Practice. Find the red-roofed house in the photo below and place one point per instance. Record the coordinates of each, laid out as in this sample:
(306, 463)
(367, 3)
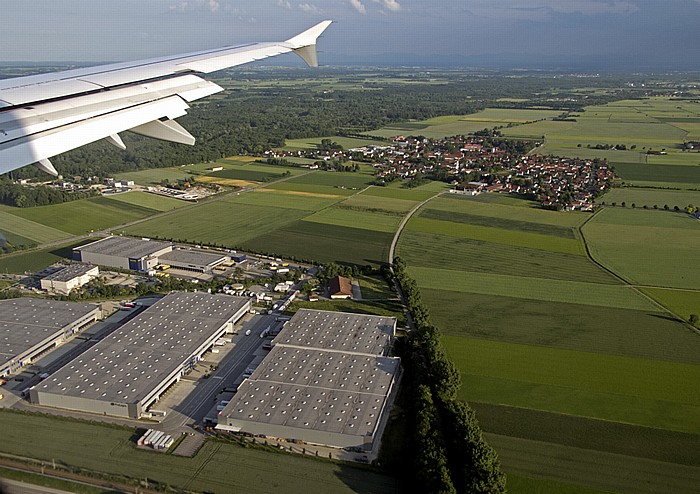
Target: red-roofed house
(340, 287)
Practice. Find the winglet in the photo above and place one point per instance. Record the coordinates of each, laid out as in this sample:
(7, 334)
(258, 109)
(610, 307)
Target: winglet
(304, 44)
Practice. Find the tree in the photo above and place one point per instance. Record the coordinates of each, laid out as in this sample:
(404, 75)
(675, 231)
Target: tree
(693, 319)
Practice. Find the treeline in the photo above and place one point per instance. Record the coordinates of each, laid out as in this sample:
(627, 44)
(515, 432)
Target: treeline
(448, 450)
(40, 195)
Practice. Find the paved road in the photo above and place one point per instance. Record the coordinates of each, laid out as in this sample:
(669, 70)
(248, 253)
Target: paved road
(395, 240)
(13, 487)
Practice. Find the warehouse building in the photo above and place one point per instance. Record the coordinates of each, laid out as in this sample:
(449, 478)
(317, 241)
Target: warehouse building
(193, 260)
(31, 327)
(122, 252)
(325, 382)
(129, 370)
(66, 279)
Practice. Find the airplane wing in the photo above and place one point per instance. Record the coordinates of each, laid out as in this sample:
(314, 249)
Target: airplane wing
(48, 114)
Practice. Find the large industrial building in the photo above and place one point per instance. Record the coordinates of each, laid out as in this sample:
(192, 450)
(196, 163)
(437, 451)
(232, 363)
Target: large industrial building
(129, 370)
(31, 327)
(193, 260)
(327, 381)
(66, 279)
(122, 252)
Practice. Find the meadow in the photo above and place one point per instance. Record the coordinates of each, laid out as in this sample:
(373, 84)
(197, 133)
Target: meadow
(652, 393)
(36, 260)
(111, 450)
(149, 201)
(24, 228)
(651, 197)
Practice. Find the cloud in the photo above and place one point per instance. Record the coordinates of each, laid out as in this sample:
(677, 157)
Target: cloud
(359, 6)
(284, 3)
(310, 8)
(194, 5)
(546, 9)
(391, 5)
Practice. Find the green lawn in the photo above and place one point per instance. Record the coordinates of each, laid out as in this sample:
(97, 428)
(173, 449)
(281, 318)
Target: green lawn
(111, 450)
(654, 393)
(551, 290)
(85, 215)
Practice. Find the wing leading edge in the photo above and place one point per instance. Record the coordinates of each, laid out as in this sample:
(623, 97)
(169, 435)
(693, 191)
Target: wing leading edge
(48, 114)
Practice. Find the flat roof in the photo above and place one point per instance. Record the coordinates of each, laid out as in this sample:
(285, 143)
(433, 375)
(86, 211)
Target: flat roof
(137, 357)
(317, 390)
(193, 257)
(26, 322)
(124, 247)
(69, 272)
(338, 331)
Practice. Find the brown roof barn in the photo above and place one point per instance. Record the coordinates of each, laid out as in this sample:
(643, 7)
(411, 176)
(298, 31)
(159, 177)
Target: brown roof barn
(340, 287)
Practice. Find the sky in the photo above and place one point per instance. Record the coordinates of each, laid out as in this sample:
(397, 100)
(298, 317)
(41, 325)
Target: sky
(624, 33)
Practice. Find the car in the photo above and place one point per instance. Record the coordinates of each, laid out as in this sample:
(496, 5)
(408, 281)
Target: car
(247, 333)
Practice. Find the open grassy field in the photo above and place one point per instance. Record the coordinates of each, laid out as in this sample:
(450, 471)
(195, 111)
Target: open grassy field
(680, 302)
(36, 260)
(651, 197)
(14, 240)
(351, 218)
(287, 199)
(227, 222)
(394, 193)
(449, 125)
(551, 290)
(111, 450)
(310, 189)
(663, 174)
(18, 225)
(314, 142)
(324, 243)
(465, 254)
(497, 235)
(375, 287)
(530, 485)
(358, 180)
(368, 202)
(652, 393)
(85, 215)
(567, 326)
(646, 247)
(149, 201)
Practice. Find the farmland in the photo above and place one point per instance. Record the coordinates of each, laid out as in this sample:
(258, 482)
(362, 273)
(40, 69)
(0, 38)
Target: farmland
(33, 261)
(149, 201)
(110, 450)
(651, 198)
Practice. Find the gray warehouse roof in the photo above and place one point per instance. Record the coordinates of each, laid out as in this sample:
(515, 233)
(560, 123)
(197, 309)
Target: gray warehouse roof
(124, 247)
(133, 360)
(25, 322)
(338, 331)
(315, 389)
(69, 272)
(192, 257)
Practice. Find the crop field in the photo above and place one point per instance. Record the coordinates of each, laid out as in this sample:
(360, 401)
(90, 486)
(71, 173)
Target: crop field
(497, 235)
(670, 174)
(149, 201)
(462, 254)
(449, 125)
(324, 243)
(358, 180)
(302, 201)
(680, 302)
(36, 260)
(378, 203)
(653, 393)
(153, 176)
(310, 189)
(32, 230)
(651, 197)
(506, 207)
(314, 142)
(393, 193)
(226, 222)
(586, 328)
(375, 287)
(85, 215)
(646, 247)
(529, 485)
(110, 450)
(551, 290)
(352, 218)
(245, 174)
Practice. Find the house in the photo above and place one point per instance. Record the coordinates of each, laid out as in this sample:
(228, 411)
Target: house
(340, 287)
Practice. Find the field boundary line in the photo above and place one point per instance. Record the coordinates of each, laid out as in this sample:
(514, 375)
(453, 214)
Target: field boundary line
(405, 219)
(624, 280)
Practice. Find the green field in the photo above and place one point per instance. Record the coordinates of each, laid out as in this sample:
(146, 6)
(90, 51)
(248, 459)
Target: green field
(394, 193)
(23, 228)
(358, 180)
(36, 260)
(245, 174)
(351, 218)
(368, 202)
(286, 200)
(680, 302)
(550, 290)
(653, 393)
(651, 197)
(149, 201)
(671, 174)
(646, 247)
(314, 142)
(568, 326)
(85, 215)
(111, 450)
(310, 189)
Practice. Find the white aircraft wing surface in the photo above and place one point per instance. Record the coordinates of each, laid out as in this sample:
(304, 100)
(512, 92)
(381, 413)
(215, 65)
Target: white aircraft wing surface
(48, 114)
